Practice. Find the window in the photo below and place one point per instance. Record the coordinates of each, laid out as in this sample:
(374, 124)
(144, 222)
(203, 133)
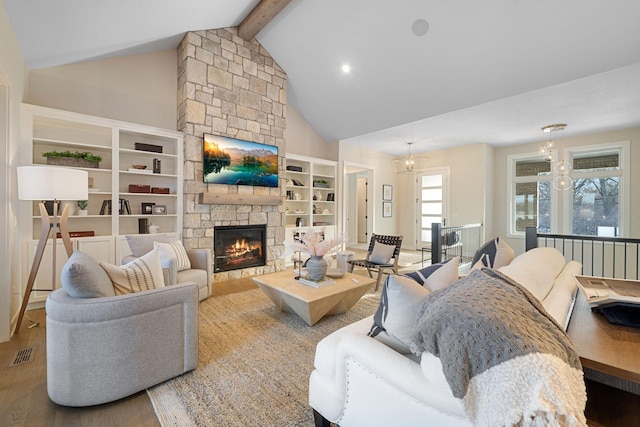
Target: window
(592, 206)
(596, 200)
(531, 202)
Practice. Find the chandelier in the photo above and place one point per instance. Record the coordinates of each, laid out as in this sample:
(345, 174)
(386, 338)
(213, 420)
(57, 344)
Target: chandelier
(562, 168)
(411, 162)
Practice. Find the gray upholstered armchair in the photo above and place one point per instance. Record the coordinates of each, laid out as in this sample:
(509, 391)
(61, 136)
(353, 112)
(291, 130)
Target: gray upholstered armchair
(200, 259)
(103, 349)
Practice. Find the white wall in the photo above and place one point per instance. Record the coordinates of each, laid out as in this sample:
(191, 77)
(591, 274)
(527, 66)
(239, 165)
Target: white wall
(383, 174)
(13, 79)
(302, 139)
(501, 207)
(136, 88)
(469, 196)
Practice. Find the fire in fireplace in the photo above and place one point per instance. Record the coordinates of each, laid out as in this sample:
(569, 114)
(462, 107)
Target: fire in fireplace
(239, 246)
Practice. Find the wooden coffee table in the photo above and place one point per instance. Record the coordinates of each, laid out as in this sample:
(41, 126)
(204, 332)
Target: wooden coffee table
(310, 303)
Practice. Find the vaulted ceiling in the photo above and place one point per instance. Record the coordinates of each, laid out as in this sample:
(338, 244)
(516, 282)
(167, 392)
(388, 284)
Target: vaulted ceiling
(494, 71)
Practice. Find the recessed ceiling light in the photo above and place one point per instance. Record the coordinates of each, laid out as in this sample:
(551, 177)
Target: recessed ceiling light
(346, 68)
(420, 27)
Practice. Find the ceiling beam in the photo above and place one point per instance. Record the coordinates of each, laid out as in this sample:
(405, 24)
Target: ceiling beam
(259, 17)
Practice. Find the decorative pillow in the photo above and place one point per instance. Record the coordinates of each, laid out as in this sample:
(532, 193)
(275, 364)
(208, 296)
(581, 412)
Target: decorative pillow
(141, 274)
(175, 251)
(493, 254)
(437, 276)
(82, 277)
(536, 270)
(141, 244)
(400, 301)
(381, 253)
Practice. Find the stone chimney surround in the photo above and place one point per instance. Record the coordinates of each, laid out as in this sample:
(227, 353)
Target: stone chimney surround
(230, 87)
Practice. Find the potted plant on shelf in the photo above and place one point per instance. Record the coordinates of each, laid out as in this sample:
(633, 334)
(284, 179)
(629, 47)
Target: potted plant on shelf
(320, 183)
(67, 158)
(82, 204)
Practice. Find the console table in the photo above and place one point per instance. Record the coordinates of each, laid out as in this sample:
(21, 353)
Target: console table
(609, 357)
(610, 349)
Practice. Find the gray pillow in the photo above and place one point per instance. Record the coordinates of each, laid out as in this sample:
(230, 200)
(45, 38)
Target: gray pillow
(82, 277)
(142, 244)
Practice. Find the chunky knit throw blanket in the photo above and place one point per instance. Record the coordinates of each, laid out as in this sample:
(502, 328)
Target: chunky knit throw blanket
(509, 361)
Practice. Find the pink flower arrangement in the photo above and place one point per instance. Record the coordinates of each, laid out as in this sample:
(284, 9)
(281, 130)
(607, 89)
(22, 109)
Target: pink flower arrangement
(315, 244)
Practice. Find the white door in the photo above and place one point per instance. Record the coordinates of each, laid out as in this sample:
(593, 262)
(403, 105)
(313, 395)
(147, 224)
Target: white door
(432, 202)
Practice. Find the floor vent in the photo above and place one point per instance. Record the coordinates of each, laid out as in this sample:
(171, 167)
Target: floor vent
(20, 357)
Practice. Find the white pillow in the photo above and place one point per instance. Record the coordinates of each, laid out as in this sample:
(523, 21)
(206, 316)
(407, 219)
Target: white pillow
(141, 274)
(400, 301)
(444, 276)
(558, 301)
(176, 251)
(536, 270)
(381, 253)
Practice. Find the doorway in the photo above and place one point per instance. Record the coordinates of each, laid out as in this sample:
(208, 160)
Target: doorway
(358, 204)
(432, 203)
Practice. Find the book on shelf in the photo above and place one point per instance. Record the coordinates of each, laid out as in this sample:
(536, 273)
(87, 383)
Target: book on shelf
(317, 284)
(73, 234)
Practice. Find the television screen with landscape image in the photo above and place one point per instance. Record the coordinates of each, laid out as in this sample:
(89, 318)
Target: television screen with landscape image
(237, 162)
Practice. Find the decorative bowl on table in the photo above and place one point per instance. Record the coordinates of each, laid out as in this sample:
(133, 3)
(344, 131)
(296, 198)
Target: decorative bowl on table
(334, 273)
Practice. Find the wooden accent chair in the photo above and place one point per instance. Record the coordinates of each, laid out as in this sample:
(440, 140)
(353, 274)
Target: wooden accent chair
(380, 268)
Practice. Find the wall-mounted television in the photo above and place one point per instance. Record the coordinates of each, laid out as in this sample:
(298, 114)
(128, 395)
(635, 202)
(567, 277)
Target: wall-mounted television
(237, 162)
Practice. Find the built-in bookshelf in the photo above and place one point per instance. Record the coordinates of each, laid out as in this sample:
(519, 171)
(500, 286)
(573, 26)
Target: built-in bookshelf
(115, 208)
(311, 195)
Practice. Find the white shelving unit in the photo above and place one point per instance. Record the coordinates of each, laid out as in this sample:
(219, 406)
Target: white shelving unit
(45, 129)
(310, 202)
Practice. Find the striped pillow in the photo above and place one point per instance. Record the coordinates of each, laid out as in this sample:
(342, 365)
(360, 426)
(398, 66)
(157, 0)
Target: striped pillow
(141, 274)
(176, 251)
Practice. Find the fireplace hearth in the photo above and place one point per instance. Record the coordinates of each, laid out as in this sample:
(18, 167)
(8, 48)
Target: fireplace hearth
(239, 246)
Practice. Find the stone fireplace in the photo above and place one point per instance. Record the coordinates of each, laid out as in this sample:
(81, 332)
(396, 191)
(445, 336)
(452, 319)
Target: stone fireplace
(238, 246)
(230, 87)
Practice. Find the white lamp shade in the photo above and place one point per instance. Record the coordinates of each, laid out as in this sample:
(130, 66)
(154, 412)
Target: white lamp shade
(52, 183)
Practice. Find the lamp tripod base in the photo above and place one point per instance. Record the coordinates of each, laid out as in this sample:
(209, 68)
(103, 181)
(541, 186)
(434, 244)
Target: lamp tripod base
(49, 225)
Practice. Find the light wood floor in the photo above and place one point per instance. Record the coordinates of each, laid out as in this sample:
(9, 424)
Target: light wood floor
(24, 400)
(23, 388)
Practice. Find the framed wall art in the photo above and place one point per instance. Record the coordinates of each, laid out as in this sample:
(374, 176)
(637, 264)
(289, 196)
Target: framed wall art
(386, 209)
(387, 192)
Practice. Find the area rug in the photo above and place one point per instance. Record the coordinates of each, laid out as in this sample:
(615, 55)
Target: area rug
(413, 259)
(254, 365)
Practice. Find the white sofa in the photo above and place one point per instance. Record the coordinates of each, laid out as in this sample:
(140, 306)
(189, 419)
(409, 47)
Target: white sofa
(359, 381)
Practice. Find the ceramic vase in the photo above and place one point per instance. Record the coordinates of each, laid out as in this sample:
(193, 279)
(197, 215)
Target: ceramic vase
(316, 268)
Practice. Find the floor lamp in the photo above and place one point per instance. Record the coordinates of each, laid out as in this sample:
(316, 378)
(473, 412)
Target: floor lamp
(50, 183)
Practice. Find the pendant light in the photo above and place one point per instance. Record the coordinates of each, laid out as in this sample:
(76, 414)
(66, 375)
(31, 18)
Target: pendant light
(411, 162)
